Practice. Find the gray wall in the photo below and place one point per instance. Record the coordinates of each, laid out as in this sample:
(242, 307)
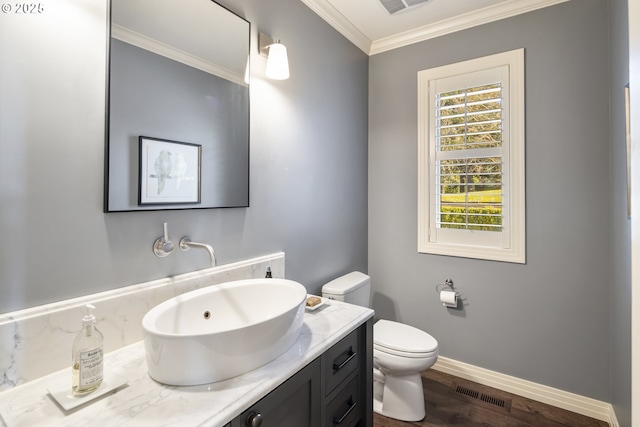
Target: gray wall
(620, 223)
(308, 161)
(547, 321)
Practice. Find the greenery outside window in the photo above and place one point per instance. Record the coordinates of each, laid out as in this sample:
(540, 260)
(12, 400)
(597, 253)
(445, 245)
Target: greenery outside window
(471, 200)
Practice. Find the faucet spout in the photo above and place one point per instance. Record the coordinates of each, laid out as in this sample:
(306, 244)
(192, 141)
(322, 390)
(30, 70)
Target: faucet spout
(186, 244)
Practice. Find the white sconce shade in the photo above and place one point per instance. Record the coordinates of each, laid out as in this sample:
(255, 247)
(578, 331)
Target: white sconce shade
(277, 62)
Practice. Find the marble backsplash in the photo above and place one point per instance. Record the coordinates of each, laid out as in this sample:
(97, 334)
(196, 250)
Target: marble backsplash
(37, 341)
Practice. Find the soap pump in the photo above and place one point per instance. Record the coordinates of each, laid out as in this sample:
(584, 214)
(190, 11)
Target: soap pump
(87, 368)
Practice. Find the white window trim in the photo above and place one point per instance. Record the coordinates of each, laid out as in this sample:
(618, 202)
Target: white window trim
(512, 247)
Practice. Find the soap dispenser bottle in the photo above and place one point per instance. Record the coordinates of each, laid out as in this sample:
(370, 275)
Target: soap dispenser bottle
(87, 365)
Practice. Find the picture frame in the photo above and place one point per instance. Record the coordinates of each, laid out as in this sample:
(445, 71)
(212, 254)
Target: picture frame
(169, 172)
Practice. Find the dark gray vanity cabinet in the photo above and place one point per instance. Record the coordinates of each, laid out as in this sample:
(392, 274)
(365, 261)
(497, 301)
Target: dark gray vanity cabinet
(347, 381)
(295, 403)
(335, 390)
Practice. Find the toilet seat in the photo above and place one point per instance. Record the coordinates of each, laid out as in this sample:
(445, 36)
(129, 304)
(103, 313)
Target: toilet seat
(403, 340)
(405, 355)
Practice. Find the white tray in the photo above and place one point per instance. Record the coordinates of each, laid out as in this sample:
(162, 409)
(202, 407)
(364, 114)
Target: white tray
(317, 306)
(68, 401)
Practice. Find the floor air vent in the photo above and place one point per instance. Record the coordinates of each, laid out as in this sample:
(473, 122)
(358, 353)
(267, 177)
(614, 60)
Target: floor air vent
(467, 393)
(492, 400)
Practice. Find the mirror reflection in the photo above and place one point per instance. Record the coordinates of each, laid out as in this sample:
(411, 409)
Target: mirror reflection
(178, 106)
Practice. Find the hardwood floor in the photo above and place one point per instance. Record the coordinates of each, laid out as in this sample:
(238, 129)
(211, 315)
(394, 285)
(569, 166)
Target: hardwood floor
(453, 401)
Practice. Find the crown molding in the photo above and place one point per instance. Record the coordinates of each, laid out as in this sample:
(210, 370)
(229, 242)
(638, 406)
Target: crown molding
(340, 23)
(462, 22)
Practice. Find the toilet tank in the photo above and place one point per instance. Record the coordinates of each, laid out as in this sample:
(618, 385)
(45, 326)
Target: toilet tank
(354, 288)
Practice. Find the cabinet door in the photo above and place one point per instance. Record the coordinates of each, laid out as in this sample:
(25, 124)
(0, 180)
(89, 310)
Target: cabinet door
(341, 360)
(295, 403)
(344, 409)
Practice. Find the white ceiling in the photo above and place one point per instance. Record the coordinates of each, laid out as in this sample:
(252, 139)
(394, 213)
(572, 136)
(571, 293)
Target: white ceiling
(368, 25)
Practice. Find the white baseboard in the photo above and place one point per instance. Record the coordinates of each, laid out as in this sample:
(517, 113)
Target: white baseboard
(597, 409)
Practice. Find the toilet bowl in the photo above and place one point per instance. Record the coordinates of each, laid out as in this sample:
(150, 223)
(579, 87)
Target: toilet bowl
(400, 353)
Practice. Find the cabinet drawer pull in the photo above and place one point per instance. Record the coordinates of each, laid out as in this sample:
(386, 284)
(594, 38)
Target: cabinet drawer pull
(254, 420)
(350, 355)
(352, 404)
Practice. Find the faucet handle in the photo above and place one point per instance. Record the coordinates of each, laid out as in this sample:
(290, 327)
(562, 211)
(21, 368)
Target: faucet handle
(163, 246)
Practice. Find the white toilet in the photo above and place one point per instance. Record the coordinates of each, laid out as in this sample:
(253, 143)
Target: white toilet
(400, 353)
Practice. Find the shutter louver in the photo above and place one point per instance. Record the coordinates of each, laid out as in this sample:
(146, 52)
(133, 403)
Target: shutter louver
(469, 193)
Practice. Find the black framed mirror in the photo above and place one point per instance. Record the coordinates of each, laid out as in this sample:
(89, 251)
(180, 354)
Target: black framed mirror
(178, 73)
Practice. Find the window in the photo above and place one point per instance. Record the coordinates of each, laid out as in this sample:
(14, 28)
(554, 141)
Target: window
(471, 159)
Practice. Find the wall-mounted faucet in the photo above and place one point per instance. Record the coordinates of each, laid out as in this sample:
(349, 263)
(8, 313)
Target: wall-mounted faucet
(163, 246)
(186, 244)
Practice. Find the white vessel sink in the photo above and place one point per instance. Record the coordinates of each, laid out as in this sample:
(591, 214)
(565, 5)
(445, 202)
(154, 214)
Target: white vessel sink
(221, 331)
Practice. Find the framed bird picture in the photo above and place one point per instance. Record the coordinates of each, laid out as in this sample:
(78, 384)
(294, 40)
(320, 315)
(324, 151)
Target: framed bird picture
(169, 172)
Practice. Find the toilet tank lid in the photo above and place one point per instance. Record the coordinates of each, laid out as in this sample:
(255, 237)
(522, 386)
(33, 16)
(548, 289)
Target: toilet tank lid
(348, 282)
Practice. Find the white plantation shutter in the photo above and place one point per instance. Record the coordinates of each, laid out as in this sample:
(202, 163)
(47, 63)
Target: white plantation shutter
(471, 159)
(468, 156)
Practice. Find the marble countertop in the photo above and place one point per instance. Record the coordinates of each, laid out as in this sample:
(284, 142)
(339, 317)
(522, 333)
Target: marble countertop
(144, 402)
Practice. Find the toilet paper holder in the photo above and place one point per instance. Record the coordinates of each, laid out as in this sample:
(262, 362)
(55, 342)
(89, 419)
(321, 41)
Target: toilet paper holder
(448, 295)
(447, 284)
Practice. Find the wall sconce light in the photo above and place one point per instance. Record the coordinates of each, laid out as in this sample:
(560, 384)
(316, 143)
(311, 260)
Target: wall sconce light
(276, 54)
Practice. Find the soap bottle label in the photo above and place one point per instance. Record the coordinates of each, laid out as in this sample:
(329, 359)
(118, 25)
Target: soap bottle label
(90, 367)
